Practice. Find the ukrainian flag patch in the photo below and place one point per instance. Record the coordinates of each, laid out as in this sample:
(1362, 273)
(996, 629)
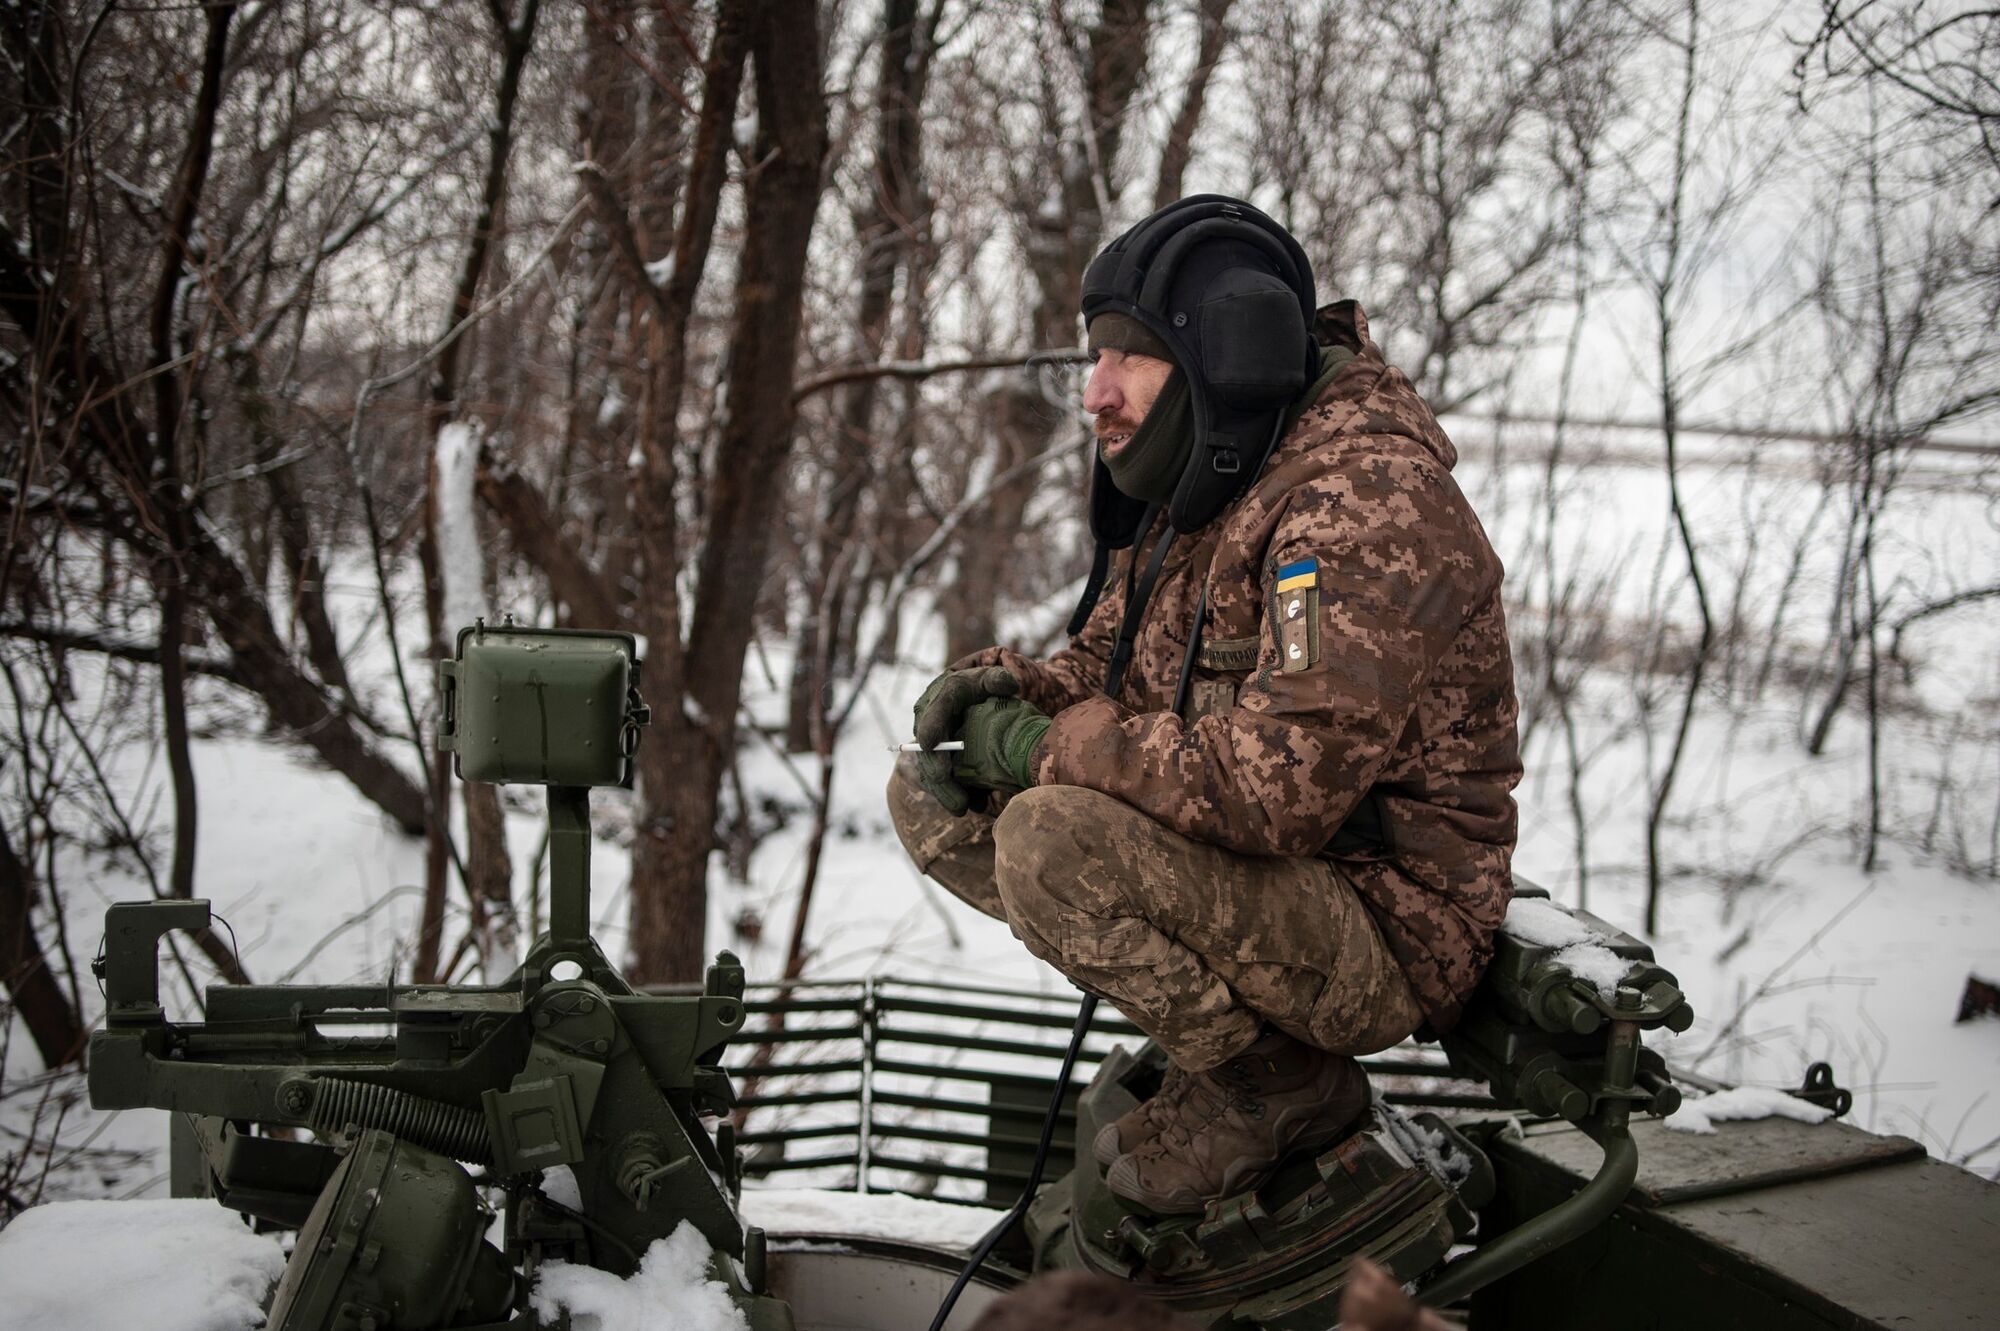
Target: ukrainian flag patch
(1298, 574)
(1296, 602)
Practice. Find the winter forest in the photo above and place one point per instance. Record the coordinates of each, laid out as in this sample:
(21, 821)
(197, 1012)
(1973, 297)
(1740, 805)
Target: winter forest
(751, 328)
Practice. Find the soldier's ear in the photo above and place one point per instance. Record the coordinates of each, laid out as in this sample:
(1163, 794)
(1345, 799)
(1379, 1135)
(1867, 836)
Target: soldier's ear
(1253, 344)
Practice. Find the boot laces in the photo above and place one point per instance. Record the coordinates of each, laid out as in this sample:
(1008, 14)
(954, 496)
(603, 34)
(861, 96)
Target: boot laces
(1207, 1097)
(1240, 1088)
(1220, 1089)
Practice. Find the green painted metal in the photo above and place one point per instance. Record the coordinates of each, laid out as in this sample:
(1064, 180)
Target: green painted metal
(562, 1064)
(1767, 1224)
(547, 707)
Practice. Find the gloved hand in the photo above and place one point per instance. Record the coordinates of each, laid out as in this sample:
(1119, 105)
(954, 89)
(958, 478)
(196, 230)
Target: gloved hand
(939, 711)
(1000, 736)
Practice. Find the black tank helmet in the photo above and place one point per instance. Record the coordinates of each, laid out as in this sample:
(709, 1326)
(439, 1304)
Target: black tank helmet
(1230, 292)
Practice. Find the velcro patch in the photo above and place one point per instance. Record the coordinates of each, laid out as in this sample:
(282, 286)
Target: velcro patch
(1228, 653)
(1296, 605)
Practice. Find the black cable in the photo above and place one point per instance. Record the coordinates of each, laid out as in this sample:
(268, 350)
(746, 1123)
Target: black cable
(1008, 1221)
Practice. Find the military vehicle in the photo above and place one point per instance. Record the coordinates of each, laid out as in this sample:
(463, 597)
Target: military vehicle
(390, 1125)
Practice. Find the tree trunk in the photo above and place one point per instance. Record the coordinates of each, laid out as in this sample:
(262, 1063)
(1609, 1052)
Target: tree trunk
(43, 1007)
(669, 878)
(1174, 158)
(1063, 233)
(537, 534)
(263, 664)
(488, 874)
(678, 751)
(169, 403)
(888, 230)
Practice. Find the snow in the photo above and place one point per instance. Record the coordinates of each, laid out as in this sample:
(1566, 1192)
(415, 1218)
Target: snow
(559, 1185)
(612, 409)
(1545, 925)
(1437, 1151)
(671, 1291)
(112, 1266)
(1741, 1104)
(883, 1215)
(1577, 945)
(459, 555)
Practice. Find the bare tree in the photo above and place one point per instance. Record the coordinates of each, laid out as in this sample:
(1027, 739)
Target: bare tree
(1064, 184)
(1943, 64)
(1687, 193)
(52, 1020)
(1422, 153)
(486, 871)
(891, 225)
(681, 769)
(91, 432)
(1904, 288)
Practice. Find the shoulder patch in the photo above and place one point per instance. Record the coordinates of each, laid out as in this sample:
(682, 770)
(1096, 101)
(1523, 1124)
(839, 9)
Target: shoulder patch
(1297, 574)
(1295, 606)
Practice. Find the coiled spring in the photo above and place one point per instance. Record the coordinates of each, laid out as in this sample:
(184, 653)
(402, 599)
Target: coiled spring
(459, 1133)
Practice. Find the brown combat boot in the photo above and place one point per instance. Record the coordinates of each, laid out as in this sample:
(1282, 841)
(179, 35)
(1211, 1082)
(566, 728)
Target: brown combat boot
(1226, 1128)
(1135, 1127)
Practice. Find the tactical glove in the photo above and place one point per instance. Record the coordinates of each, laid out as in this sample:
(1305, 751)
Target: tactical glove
(939, 712)
(1000, 736)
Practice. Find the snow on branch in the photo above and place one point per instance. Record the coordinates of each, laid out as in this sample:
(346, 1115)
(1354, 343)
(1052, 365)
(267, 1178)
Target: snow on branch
(460, 561)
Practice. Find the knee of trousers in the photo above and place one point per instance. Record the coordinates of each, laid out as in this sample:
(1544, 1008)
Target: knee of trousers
(921, 823)
(1054, 856)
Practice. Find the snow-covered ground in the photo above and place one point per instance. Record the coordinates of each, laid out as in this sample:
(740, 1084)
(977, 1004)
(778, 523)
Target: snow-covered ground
(111, 1266)
(1788, 950)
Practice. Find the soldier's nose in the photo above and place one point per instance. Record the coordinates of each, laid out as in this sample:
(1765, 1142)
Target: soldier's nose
(1100, 391)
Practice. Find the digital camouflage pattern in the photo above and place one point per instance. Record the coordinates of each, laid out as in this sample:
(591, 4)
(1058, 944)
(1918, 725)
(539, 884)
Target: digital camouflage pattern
(1407, 690)
(1196, 944)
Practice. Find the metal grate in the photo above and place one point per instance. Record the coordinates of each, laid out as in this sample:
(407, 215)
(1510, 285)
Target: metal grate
(931, 1087)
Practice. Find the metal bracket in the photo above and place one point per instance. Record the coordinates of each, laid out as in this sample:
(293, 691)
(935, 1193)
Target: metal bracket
(130, 967)
(1820, 1089)
(534, 1125)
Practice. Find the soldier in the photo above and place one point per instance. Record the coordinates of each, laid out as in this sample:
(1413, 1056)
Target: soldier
(1260, 801)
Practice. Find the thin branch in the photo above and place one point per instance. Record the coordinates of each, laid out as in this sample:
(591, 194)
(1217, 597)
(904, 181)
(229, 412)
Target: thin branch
(144, 653)
(905, 577)
(917, 370)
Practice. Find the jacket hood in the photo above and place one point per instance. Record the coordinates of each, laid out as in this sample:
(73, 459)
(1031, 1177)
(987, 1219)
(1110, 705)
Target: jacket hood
(1368, 397)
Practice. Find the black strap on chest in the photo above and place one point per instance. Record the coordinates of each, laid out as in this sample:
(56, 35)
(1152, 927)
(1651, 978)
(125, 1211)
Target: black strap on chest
(1135, 614)
(1193, 651)
(1093, 587)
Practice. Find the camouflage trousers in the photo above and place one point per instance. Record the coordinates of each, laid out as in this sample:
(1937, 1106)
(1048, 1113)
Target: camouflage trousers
(1198, 945)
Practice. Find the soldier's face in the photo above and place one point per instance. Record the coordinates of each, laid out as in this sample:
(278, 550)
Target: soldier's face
(1120, 392)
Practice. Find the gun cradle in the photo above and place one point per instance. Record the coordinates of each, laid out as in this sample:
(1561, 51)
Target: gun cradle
(422, 1102)
(513, 1079)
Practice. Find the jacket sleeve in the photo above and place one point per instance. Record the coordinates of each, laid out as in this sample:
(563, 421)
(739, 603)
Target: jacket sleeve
(1075, 672)
(1397, 571)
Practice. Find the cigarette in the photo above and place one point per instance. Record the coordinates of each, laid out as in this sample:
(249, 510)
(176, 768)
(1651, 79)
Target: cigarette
(949, 746)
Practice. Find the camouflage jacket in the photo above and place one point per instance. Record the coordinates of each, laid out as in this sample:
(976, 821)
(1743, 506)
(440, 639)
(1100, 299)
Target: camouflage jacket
(1354, 660)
